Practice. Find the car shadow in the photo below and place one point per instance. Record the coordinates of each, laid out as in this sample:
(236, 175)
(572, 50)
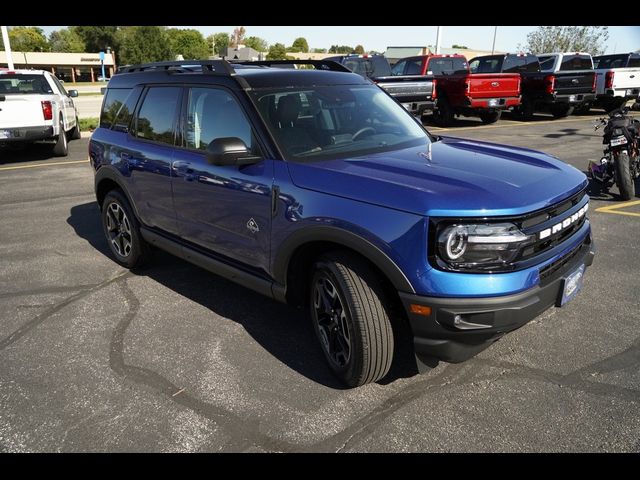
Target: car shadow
(283, 331)
(25, 153)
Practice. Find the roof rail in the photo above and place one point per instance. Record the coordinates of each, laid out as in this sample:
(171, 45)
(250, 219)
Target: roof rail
(216, 67)
(319, 64)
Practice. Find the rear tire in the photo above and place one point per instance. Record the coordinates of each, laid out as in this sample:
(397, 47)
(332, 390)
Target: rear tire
(490, 117)
(561, 110)
(443, 113)
(350, 319)
(75, 133)
(624, 179)
(122, 231)
(61, 147)
(525, 110)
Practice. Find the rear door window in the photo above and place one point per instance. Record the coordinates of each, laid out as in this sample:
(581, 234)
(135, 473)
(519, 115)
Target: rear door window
(156, 118)
(414, 67)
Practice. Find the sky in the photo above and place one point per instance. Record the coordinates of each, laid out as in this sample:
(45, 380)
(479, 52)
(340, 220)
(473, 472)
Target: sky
(378, 38)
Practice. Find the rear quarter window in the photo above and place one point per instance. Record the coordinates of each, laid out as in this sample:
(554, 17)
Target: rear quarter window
(118, 107)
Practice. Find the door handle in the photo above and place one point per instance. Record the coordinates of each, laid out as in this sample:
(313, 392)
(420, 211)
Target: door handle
(179, 165)
(184, 169)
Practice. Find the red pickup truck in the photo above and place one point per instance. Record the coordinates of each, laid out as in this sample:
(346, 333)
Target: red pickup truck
(459, 92)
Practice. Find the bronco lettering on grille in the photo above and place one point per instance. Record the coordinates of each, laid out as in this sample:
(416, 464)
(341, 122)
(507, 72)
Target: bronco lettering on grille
(563, 224)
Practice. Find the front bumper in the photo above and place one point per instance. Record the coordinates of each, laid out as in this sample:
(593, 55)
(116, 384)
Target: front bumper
(25, 134)
(437, 335)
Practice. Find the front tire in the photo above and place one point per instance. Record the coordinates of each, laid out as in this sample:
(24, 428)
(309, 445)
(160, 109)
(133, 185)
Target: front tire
(61, 147)
(490, 117)
(350, 320)
(624, 179)
(122, 230)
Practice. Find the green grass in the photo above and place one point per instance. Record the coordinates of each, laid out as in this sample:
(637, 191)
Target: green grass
(88, 124)
(89, 94)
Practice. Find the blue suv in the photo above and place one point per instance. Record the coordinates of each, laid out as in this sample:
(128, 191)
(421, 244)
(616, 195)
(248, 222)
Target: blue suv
(315, 187)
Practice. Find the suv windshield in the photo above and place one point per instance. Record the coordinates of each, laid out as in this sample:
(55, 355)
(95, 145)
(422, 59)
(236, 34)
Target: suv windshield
(22, 84)
(335, 121)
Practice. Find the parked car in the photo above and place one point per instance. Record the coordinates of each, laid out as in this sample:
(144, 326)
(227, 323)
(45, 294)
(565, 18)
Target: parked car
(617, 79)
(415, 93)
(316, 188)
(34, 106)
(569, 82)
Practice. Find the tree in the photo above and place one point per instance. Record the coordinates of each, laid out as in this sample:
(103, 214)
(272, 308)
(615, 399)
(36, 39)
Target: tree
(546, 39)
(459, 46)
(340, 49)
(359, 49)
(277, 52)
(189, 43)
(237, 37)
(98, 38)
(27, 39)
(257, 43)
(66, 40)
(144, 44)
(220, 42)
(299, 45)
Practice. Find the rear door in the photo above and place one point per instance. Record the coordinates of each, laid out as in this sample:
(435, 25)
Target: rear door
(148, 153)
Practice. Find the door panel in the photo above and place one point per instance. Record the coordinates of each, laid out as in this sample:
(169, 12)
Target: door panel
(225, 209)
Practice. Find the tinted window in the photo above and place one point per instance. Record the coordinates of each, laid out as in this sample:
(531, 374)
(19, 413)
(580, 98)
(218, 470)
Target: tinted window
(634, 62)
(398, 68)
(156, 117)
(520, 63)
(447, 66)
(22, 84)
(59, 85)
(414, 67)
(381, 67)
(486, 65)
(576, 62)
(117, 108)
(360, 66)
(213, 113)
(547, 63)
(610, 61)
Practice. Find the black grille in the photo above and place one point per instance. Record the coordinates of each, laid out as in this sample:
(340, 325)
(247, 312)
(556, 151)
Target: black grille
(547, 273)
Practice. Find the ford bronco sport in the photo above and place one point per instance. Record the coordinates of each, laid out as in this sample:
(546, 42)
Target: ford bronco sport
(315, 187)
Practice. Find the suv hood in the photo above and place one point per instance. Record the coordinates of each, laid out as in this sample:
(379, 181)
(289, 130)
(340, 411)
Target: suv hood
(462, 178)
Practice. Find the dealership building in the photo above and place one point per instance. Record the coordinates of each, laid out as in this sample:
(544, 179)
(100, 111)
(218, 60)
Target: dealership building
(70, 67)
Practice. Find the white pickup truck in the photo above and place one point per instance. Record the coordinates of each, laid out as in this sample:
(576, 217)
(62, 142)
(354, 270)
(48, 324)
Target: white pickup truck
(34, 106)
(618, 79)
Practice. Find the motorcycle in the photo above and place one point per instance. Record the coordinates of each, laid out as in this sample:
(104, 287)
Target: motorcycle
(620, 163)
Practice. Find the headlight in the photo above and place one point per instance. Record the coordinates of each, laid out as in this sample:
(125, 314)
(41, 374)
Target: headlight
(480, 246)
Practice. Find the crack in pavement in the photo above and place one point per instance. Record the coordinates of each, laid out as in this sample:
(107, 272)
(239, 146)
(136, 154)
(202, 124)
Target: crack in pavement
(244, 433)
(33, 323)
(47, 290)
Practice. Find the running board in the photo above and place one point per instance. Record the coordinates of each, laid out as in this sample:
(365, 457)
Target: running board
(253, 282)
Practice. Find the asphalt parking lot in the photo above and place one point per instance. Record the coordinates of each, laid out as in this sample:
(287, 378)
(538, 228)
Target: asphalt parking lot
(172, 358)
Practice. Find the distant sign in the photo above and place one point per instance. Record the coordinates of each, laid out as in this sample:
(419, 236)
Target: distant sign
(102, 56)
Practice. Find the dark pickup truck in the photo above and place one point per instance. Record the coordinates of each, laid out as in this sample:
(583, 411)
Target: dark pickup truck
(557, 82)
(461, 93)
(415, 93)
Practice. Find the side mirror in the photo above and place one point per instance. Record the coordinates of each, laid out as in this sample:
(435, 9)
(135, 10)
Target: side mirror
(73, 93)
(230, 151)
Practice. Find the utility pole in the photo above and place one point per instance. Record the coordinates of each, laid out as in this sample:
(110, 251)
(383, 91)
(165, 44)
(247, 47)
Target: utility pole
(7, 47)
(493, 47)
(438, 38)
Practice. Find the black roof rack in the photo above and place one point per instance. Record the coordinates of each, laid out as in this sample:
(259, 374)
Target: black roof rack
(319, 64)
(216, 67)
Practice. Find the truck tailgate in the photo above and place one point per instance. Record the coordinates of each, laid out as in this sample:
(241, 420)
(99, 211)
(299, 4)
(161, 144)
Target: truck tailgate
(493, 85)
(574, 82)
(409, 88)
(21, 111)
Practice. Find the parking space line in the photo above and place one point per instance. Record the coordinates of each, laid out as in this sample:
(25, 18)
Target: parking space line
(614, 208)
(36, 165)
